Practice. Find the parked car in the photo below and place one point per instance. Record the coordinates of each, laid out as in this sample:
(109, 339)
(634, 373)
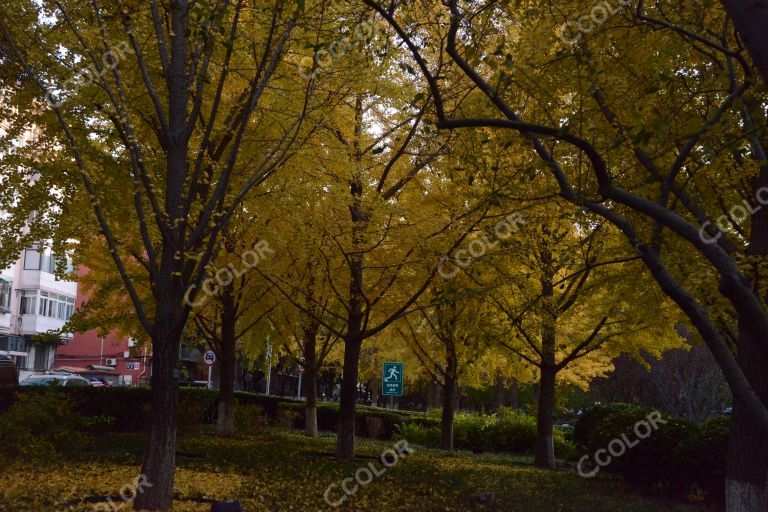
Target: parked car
(8, 374)
(56, 379)
(98, 382)
(193, 383)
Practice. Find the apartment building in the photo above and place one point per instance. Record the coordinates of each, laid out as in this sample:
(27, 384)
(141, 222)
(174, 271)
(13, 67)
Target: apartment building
(34, 304)
(110, 356)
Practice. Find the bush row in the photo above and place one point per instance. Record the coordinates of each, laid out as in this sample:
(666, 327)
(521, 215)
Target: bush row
(505, 431)
(127, 409)
(679, 459)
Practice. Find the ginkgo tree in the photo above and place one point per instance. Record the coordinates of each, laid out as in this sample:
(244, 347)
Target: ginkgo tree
(147, 109)
(563, 292)
(234, 302)
(675, 114)
(372, 158)
(447, 335)
(311, 346)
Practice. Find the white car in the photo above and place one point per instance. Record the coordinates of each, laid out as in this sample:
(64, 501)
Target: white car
(56, 379)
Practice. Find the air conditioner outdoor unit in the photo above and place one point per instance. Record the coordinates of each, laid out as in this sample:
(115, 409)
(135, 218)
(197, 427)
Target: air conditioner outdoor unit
(111, 362)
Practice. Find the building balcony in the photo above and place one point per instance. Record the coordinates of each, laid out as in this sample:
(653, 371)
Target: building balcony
(40, 279)
(36, 324)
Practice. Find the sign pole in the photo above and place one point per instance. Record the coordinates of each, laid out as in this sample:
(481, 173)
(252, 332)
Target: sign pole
(392, 382)
(298, 392)
(209, 358)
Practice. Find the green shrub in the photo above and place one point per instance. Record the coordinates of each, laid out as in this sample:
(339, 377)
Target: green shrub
(699, 461)
(586, 433)
(249, 417)
(648, 463)
(513, 431)
(40, 427)
(129, 410)
(506, 431)
(677, 460)
(470, 432)
(194, 406)
(564, 448)
(418, 434)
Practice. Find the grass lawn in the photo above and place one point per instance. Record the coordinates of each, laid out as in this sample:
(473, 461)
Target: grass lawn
(284, 471)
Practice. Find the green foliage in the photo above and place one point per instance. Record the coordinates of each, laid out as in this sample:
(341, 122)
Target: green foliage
(39, 427)
(370, 422)
(114, 409)
(248, 417)
(587, 431)
(127, 410)
(678, 460)
(470, 431)
(700, 460)
(515, 432)
(50, 338)
(419, 434)
(506, 431)
(193, 406)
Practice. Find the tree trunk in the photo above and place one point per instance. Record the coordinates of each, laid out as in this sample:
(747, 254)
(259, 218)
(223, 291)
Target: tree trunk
(310, 383)
(747, 464)
(226, 422)
(159, 462)
(544, 452)
(500, 391)
(750, 18)
(514, 401)
(353, 340)
(345, 437)
(430, 404)
(449, 408)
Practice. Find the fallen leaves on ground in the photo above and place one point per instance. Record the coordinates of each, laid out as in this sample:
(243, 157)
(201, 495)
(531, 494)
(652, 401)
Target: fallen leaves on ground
(283, 471)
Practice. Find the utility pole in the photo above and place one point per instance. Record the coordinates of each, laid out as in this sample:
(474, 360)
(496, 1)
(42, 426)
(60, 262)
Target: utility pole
(269, 365)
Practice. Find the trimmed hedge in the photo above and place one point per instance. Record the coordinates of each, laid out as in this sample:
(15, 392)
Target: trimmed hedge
(679, 460)
(372, 422)
(129, 410)
(40, 427)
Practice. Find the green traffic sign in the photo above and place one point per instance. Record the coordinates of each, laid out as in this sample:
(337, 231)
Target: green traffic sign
(392, 379)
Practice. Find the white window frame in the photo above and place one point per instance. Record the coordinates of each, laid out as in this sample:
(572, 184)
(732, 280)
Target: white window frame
(53, 305)
(35, 264)
(5, 294)
(26, 296)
